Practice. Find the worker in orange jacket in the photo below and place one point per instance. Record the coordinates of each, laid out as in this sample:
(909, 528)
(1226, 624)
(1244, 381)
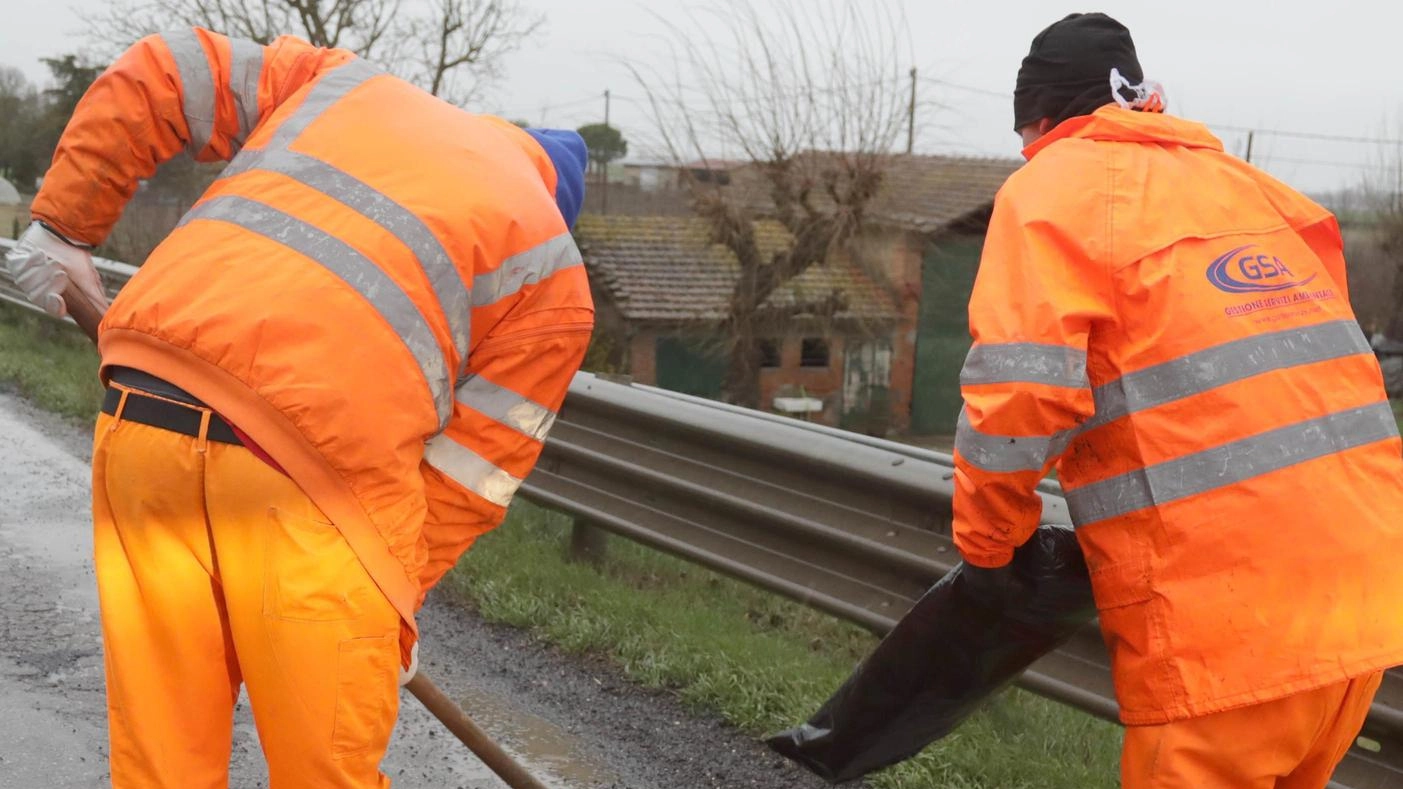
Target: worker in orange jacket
(1170, 328)
(322, 386)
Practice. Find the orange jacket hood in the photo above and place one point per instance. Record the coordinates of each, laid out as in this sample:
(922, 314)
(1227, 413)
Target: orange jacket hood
(1114, 124)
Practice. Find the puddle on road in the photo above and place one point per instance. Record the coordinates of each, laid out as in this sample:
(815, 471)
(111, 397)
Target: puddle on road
(423, 754)
(553, 755)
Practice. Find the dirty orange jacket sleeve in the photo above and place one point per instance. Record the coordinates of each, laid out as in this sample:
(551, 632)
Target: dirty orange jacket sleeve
(1038, 295)
(189, 90)
(518, 377)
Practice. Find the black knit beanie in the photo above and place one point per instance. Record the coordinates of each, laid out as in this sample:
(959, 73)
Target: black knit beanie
(1068, 69)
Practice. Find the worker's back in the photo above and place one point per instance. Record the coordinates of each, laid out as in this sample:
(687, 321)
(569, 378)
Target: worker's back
(328, 291)
(322, 386)
(1238, 491)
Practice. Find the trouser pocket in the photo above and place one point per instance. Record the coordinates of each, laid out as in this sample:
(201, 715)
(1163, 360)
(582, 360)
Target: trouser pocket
(366, 681)
(312, 574)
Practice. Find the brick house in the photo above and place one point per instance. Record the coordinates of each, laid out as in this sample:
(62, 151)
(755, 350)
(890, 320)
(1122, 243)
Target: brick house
(887, 362)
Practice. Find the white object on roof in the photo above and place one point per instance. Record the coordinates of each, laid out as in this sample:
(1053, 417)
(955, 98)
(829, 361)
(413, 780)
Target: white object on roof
(798, 405)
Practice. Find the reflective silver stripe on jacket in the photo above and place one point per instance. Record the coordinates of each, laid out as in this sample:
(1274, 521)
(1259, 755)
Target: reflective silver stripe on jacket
(330, 88)
(448, 285)
(1189, 375)
(1025, 362)
(1005, 454)
(196, 85)
(470, 470)
(245, 70)
(343, 260)
(502, 405)
(1210, 368)
(526, 268)
(1231, 463)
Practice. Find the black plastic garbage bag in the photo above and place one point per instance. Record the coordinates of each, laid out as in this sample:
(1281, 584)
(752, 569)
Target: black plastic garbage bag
(943, 659)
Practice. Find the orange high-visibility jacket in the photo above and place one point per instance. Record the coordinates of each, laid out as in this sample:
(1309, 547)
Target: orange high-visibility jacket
(380, 290)
(1171, 328)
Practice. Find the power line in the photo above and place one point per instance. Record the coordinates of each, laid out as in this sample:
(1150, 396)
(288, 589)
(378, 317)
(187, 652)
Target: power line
(544, 108)
(1311, 135)
(1225, 127)
(730, 95)
(673, 95)
(967, 88)
(747, 99)
(1268, 161)
(797, 91)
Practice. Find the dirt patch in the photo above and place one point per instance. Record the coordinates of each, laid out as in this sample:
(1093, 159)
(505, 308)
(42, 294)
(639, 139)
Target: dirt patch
(647, 738)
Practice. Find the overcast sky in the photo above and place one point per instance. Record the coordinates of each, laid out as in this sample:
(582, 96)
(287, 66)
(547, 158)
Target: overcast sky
(1328, 68)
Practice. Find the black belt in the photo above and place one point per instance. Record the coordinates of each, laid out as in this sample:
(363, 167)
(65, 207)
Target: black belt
(166, 415)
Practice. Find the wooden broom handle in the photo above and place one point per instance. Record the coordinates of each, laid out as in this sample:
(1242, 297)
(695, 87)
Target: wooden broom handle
(83, 312)
(463, 727)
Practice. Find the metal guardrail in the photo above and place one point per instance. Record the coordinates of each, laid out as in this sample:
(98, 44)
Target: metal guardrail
(848, 524)
(855, 526)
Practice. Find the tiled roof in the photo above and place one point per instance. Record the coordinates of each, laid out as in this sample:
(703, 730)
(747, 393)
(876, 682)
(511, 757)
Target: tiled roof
(921, 193)
(667, 269)
(928, 193)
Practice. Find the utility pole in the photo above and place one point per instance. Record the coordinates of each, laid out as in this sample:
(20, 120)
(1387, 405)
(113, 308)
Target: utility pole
(1249, 146)
(911, 115)
(604, 166)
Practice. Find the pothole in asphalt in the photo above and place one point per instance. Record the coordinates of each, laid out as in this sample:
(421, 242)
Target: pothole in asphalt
(555, 756)
(423, 754)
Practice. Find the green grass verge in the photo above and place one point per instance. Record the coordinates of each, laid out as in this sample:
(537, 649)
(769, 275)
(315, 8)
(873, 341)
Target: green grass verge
(51, 363)
(759, 661)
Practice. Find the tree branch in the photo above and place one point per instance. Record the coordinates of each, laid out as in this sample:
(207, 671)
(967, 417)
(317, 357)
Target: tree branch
(812, 96)
(452, 48)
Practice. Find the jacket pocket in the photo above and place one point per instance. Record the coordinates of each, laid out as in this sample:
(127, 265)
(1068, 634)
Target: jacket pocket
(310, 573)
(367, 674)
(1121, 584)
(1123, 606)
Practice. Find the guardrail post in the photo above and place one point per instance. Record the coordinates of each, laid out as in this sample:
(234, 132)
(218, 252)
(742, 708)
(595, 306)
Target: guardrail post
(587, 542)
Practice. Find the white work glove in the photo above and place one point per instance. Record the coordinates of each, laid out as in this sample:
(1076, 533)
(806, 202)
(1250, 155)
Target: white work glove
(42, 264)
(406, 674)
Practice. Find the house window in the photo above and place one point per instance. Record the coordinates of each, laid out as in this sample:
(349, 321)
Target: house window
(813, 352)
(769, 353)
(705, 175)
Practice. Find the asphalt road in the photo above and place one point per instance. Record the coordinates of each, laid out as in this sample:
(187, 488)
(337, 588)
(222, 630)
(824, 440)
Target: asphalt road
(575, 722)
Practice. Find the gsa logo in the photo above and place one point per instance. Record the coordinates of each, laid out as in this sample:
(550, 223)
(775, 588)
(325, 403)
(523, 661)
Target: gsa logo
(1235, 272)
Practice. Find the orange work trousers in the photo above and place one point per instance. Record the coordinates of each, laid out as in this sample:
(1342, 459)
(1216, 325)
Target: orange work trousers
(215, 571)
(1291, 743)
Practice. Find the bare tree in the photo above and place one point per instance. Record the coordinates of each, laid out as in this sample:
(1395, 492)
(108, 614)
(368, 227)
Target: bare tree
(811, 96)
(451, 48)
(1371, 275)
(22, 153)
(1383, 189)
(468, 36)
